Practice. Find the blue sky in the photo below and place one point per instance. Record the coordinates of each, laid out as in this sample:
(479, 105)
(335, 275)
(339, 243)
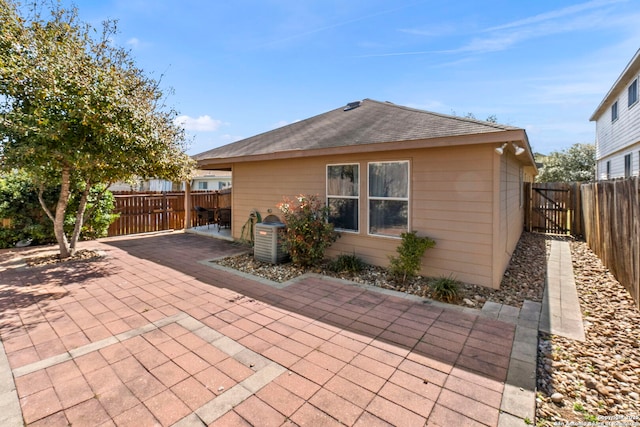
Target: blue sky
(242, 67)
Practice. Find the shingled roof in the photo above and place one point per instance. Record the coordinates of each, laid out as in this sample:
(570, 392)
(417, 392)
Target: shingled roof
(359, 123)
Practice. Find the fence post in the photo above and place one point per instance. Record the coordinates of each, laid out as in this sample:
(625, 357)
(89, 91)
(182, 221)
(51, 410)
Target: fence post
(187, 204)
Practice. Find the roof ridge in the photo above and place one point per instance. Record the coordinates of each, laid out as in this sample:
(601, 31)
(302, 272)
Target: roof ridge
(447, 116)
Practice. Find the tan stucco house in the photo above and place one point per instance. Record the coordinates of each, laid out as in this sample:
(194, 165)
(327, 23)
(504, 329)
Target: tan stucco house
(384, 169)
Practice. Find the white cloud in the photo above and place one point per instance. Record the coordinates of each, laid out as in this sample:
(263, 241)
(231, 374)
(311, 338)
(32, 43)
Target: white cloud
(133, 42)
(199, 124)
(283, 123)
(231, 138)
(554, 14)
(589, 16)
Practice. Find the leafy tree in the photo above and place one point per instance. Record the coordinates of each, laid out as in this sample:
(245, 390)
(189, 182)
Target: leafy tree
(492, 118)
(577, 163)
(19, 205)
(75, 112)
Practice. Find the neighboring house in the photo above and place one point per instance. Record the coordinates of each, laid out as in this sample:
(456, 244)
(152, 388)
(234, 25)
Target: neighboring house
(154, 185)
(385, 169)
(211, 180)
(202, 180)
(618, 126)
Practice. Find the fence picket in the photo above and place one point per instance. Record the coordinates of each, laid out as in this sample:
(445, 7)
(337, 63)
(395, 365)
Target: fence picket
(612, 228)
(148, 212)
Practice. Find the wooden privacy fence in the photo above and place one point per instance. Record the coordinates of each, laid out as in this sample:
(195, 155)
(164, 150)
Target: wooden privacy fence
(148, 212)
(553, 207)
(611, 212)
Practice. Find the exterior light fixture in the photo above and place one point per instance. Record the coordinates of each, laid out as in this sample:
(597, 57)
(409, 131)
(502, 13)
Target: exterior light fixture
(500, 150)
(519, 150)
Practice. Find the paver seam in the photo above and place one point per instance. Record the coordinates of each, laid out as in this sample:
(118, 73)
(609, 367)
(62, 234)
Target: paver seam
(527, 318)
(10, 412)
(265, 370)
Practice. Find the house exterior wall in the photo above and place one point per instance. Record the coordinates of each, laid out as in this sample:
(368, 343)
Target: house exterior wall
(509, 212)
(451, 200)
(617, 138)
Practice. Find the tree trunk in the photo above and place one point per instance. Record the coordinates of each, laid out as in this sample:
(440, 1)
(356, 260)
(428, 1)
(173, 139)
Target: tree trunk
(61, 210)
(82, 206)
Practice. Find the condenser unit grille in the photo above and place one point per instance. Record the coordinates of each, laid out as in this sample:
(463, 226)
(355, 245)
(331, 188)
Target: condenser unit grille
(267, 245)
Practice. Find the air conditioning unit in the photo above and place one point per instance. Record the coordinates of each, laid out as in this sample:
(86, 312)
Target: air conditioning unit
(267, 244)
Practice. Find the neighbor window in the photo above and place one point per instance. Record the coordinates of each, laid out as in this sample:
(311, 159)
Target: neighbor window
(627, 165)
(203, 185)
(614, 111)
(389, 198)
(633, 92)
(343, 191)
(608, 169)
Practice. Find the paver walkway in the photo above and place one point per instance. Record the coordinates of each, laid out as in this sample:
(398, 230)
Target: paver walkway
(561, 313)
(150, 334)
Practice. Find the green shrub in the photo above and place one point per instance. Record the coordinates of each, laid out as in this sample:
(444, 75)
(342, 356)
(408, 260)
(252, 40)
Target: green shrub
(346, 263)
(410, 251)
(308, 232)
(19, 204)
(445, 289)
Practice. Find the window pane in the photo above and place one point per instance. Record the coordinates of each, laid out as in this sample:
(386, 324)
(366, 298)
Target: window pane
(633, 92)
(388, 217)
(389, 180)
(627, 166)
(614, 111)
(343, 213)
(342, 180)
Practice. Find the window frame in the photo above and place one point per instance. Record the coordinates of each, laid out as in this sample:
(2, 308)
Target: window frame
(614, 111)
(404, 199)
(356, 198)
(608, 165)
(634, 85)
(627, 165)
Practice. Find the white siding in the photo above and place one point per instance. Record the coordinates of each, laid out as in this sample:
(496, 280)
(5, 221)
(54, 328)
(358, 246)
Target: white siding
(616, 139)
(617, 163)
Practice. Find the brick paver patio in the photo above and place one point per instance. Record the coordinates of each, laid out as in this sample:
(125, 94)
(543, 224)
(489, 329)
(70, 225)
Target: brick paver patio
(152, 335)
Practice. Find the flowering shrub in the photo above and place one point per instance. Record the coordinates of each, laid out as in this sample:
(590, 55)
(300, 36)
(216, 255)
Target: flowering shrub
(308, 232)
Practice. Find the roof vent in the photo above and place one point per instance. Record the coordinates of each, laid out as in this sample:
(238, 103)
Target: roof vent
(352, 105)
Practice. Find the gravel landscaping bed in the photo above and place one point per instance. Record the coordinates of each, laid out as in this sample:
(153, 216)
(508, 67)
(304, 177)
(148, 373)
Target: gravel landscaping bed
(524, 278)
(595, 381)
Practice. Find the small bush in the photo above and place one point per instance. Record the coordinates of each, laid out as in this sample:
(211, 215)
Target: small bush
(445, 289)
(410, 252)
(27, 220)
(346, 263)
(308, 232)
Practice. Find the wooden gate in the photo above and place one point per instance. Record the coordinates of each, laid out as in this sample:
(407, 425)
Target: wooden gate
(554, 208)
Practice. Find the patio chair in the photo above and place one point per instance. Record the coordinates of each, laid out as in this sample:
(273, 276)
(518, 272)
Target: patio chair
(205, 214)
(223, 217)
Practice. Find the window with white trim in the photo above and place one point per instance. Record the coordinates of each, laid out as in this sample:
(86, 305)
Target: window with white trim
(343, 196)
(627, 165)
(389, 198)
(614, 111)
(633, 93)
(203, 185)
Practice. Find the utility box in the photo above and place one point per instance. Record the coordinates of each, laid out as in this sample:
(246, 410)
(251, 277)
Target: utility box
(267, 244)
